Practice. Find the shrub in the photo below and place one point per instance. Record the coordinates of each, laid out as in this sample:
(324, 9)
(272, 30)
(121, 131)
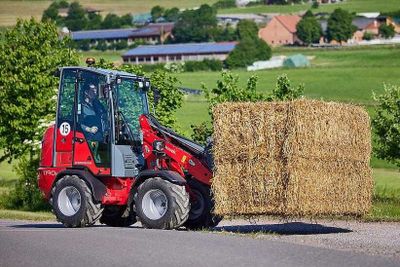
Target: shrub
(206, 64)
(387, 31)
(101, 45)
(201, 132)
(386, 125)
(315, 5)
(26, 195)
(123, 44)
(367, 36)
(225, 4)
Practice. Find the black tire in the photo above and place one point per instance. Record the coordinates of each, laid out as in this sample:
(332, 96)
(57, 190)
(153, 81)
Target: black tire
(118, 216)
(89, 211)
(200, 215)
(177, 204)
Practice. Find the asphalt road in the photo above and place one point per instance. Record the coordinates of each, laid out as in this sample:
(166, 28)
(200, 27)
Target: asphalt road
(50, 244)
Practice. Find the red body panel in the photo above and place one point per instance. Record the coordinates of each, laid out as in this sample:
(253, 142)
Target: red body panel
(46, 176)
(46, 159)
(118, 190)
(83, 157)
(179, 159)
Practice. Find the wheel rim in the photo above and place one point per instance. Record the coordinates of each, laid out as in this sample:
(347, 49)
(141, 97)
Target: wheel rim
(69, 201)
(154, 204)
(197, 207)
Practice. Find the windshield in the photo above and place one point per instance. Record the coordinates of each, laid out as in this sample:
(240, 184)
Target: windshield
(131, 103)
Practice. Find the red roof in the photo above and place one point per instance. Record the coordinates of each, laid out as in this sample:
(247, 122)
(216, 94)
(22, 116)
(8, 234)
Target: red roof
(289, 22)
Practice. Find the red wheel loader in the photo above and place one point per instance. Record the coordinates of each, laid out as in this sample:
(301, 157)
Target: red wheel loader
(107, 158)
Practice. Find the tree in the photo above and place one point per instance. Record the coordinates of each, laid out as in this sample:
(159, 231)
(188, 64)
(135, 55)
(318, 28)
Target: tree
(126, 20)
(51, 13)
(76, 19)
(340, 27)
(195, 25)
(94, 21)
(171, 98)
(308, 29)
(29, 54)
(250, 47)
(111, 21)
(171, 14)
(387, 31)
(157, 12)
(386, 124)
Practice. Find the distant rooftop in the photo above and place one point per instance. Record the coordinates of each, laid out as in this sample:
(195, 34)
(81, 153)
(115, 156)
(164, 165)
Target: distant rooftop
(289, 21)
(149, 30)
(190, 48)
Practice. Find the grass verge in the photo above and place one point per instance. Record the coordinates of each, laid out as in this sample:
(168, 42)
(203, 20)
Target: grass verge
(26, 215)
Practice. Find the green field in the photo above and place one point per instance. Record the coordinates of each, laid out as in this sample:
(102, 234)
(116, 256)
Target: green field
(351, 5)
(347, 75)
(10, 10)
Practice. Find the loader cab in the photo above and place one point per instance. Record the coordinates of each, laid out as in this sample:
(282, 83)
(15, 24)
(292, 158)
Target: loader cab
(98, 121)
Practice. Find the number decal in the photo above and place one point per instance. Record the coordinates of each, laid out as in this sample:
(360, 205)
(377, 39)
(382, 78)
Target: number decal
(65, 128)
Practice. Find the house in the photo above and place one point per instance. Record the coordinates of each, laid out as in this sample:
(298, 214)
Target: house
(395, 21)
(151, 54)
(233, 19)
(152, 33)
(363, 25)
(281, 30)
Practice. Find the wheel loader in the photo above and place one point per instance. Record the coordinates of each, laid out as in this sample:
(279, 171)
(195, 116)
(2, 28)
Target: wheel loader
(108, 159)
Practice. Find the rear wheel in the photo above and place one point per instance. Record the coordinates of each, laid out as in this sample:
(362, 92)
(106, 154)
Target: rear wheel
(73, 203)
(161, 205)
(202, 205)
(118, 216)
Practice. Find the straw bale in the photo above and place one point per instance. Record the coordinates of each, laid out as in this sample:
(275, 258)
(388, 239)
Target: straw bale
(294, 158)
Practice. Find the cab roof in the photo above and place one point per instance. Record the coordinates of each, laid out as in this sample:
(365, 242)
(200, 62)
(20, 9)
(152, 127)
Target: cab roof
(106, 72)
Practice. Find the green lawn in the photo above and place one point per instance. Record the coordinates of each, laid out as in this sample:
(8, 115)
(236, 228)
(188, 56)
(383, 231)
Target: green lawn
(10, 10)
(113, 56)
(351, 5)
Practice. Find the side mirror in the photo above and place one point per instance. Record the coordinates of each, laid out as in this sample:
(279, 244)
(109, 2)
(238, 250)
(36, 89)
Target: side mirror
(146, 86)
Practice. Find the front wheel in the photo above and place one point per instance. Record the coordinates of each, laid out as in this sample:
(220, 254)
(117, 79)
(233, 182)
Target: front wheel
(161, 204)
(202, 206)
(73, 204)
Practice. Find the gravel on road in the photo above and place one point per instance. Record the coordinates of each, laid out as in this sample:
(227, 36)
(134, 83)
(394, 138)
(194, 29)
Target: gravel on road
(373, 238)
